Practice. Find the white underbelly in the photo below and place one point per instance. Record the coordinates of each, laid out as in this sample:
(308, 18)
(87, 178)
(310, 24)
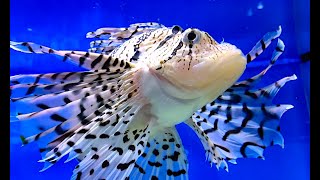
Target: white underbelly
(167, 109)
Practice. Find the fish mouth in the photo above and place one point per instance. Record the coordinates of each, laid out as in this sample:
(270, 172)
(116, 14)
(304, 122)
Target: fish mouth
(215, 62)
(172, 89)
(215, 70)
(212, 75)
(208, 70)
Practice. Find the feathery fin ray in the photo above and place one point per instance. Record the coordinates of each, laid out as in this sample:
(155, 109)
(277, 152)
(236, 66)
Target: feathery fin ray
(89, 115)
(90, 61)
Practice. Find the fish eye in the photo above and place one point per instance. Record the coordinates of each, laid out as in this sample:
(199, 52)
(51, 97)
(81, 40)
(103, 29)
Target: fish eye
(192, 37)
(176, 29)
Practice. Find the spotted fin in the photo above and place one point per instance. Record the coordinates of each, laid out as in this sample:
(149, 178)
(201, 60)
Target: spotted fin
(40, 87)
(116, 158)
(58, 121)
(39, 103)
(55, 115)
(109, 148)
(64, 77)
(54, 89)
(110, 38)
(163, 158)
(90, 61)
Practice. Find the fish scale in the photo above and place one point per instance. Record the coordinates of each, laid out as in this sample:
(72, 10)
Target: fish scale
(118, 118)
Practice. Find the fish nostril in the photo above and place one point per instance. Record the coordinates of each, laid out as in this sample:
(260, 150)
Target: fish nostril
(192, 36)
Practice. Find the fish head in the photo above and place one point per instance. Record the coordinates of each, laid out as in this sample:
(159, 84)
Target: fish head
(197, 65)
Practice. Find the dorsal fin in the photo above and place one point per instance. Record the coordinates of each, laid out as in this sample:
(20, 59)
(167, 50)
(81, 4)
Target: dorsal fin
(91, 61)
(109, 38)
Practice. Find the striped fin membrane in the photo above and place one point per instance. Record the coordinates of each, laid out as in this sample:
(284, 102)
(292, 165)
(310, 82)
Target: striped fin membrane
(243, 121)
(263, 44)
(90, 61)
(81, 126)
(88, 114)
(64, 112)
(83, 114)
(255, 79)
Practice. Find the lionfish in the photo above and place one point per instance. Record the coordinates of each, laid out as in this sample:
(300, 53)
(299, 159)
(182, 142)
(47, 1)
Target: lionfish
(118, 118)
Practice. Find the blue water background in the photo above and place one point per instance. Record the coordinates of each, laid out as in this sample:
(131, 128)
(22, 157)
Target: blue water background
(63, 25)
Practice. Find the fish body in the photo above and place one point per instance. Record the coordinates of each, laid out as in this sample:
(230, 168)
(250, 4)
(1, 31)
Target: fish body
(168, 63)
(118, 118)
